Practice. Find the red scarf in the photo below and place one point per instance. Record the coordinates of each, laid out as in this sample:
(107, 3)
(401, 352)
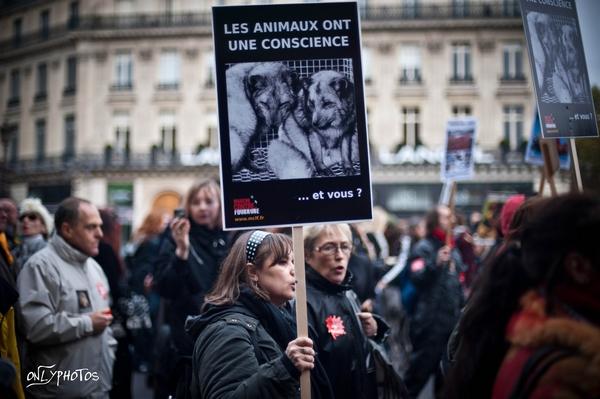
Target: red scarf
(440, 234)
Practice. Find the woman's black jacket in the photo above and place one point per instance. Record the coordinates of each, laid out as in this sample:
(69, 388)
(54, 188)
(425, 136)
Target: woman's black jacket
(343, 355)
(235, 357)
(184, 283)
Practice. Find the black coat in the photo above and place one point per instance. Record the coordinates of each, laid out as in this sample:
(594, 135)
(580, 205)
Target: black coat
(184, 283)
(235, 357)
(343, 356)
(440, 297)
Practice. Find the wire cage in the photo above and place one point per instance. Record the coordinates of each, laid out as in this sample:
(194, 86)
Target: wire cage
(256, 167)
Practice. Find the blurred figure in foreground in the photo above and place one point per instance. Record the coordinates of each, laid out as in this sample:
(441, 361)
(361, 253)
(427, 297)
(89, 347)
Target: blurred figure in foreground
(535, 332)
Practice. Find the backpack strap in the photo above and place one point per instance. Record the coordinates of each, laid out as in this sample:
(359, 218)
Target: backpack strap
(536, 366)
(251, 325)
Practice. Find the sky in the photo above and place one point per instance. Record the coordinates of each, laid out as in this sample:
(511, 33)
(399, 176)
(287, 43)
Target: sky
(589, 22)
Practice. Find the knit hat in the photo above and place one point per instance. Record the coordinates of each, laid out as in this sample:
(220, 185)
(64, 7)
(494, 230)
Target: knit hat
(508, 211)
(34, 205)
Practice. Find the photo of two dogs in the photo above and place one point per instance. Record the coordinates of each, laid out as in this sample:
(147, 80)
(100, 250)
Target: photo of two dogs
(312, 120)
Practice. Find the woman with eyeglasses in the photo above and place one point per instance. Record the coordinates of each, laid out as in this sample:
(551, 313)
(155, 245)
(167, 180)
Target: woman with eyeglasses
(35, 224)
(341, 333)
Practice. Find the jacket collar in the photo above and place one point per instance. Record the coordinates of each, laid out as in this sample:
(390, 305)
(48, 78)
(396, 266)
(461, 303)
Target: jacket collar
(68, 253)
(322, 284)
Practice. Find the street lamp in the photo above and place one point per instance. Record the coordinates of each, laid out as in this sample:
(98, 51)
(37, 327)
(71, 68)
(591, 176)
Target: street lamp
(6, 132)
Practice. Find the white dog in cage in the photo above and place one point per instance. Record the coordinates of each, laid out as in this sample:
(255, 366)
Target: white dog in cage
(320, 133)
(259, 97)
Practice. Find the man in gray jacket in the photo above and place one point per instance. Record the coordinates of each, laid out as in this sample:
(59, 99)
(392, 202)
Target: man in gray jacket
(64, 310)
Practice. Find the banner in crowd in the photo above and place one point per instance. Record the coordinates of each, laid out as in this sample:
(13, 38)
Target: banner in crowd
(458, 161)
(560, 75)
(292, 123)
(533, 153)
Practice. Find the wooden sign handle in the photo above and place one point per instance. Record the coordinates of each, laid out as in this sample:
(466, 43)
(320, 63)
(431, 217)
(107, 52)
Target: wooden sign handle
(575, 165)
(548, 168)
(301, 313)
(451, 206)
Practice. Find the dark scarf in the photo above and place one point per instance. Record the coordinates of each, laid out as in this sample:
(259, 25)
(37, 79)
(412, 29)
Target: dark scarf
(322, 284)
(278, 322)
(212, 241)
(281, 326)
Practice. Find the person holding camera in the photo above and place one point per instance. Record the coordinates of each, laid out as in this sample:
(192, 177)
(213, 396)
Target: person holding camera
(190, 253)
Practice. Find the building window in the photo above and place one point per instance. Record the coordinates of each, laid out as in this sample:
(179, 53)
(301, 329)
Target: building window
(460, 8)
(17, 32)
(410, 64)
(512, 62)
(461, 62)
(14, 97)
(410, 126)
(45, 24)
(41, 87)
(40, 140)
(73, 15)
(209, 61)
(168, 133)
(459, 111)
(510, 8)
(169, 70)
(513, 126)
(69, 152)
(123, 71)
(122, 132)
(410, 8)
(71, 77)
(13, 145)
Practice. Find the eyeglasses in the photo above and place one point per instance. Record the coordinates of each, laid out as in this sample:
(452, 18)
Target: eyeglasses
(331, 248)
(30, 216)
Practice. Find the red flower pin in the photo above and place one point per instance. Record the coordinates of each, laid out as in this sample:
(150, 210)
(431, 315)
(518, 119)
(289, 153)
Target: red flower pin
(335, 326)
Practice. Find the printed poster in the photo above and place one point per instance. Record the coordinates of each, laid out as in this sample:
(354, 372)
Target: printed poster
(292, 123)
(559, 70)
(458, 161)
(533, 153)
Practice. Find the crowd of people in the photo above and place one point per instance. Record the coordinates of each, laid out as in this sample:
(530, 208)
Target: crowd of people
(498, 307)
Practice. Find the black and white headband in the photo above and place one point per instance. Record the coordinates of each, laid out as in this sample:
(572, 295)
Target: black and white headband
(256, 238)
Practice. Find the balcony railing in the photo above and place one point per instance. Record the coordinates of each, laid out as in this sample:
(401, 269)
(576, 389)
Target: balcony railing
(502, 9)
(513, 79)
(488, 10)
(114, 163)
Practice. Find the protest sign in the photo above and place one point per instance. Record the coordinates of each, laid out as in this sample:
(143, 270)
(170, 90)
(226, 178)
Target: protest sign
(292, 123)
(458, 160)
(533, 153)
(559, 70)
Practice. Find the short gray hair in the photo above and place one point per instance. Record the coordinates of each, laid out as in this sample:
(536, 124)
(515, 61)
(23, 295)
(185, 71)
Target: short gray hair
(312, 233)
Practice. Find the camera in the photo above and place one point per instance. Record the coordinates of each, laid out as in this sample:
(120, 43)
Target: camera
(179, 213)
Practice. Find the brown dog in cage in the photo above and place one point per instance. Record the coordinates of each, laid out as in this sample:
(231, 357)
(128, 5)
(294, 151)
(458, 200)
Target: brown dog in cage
(259, 97)
(320, 133)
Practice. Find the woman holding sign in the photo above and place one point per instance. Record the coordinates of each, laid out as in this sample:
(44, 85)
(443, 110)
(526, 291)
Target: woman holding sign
(246, 343)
